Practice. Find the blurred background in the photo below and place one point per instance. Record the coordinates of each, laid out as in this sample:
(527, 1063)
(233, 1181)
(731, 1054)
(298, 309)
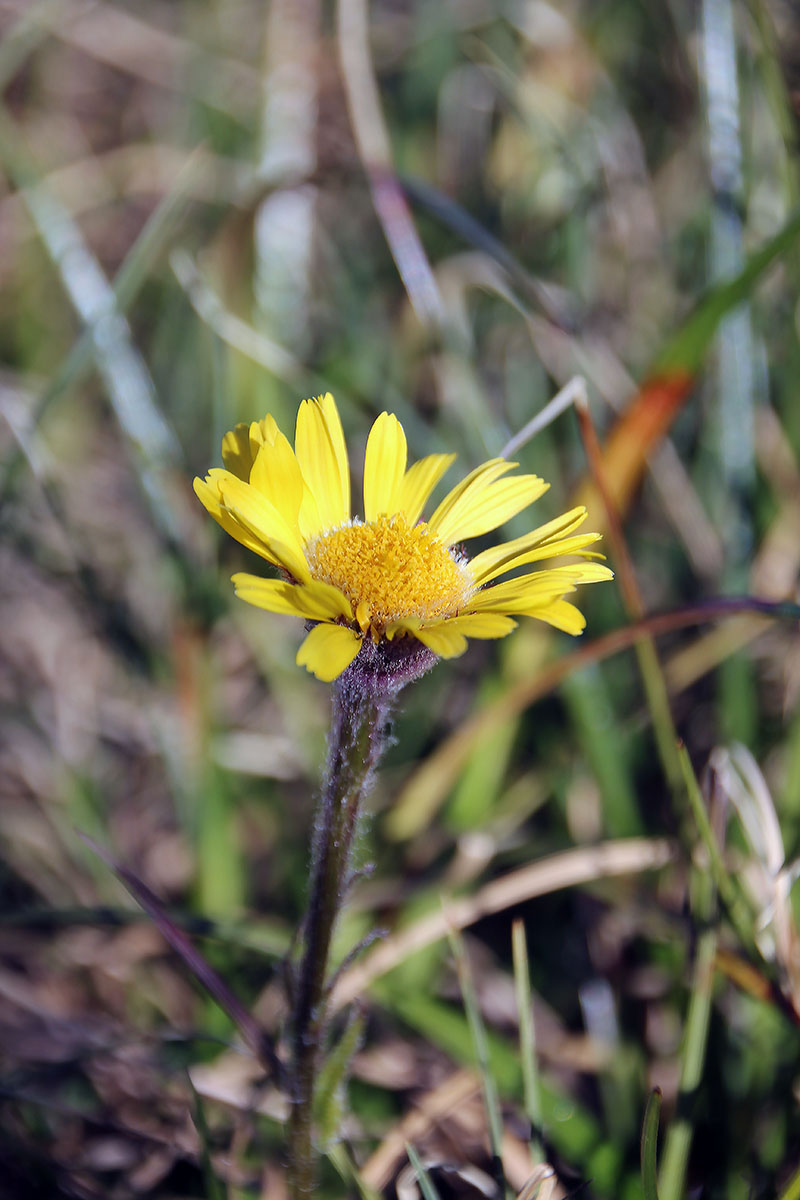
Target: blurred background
(447, 209)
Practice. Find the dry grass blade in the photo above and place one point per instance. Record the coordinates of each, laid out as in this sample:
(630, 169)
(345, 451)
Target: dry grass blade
(24, 36)
(122, 368)
(232, 329)
(565, 398)
(139, 262)
(372, 140)
(542, 1185)
(130, 44)
(136, 170)
(429, 1109)
(568, 869)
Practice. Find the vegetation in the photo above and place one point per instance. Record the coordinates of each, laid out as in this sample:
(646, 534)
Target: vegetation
(580, 854)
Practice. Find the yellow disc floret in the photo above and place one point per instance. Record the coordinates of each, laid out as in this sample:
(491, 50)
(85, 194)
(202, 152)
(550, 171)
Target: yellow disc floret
(389, 571)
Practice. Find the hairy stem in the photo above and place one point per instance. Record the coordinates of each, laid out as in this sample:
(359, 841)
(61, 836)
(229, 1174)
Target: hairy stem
(358, 722)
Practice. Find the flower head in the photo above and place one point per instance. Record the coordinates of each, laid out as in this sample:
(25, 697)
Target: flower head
(389, 579)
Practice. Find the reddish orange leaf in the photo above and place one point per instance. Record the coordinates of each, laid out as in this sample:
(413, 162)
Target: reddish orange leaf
(634, 436)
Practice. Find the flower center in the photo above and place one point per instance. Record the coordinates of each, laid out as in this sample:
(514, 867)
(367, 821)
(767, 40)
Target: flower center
(389, 571)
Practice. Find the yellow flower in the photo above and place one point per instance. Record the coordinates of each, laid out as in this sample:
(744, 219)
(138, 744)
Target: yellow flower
(390, 577)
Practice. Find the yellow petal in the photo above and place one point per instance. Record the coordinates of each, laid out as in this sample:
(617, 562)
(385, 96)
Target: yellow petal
(562, 615)
(263, 431)
(363, 615)
(495, 560)
(236, 452)
(322, 455)
(328, 650)
(490, 507)
(384, 467)
(554, 549)
(241, 445)
(482, 502)
(447, 638)
(528, 593)
(315, 601)
(333, 421)
(446, 642)
(480, 625)
(418, 483)
(474, 483)
(263, 520)
(208, 493)
(586, 572)
(519, 595)
(276, 475)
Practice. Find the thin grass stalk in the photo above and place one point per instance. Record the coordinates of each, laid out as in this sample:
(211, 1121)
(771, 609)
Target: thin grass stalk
(426, 1185)
(214, 1189)
(672, 1177)
(491, 1098)
(655, 686)
(792, 1189)
(159, 228)
(255, 1037)
(339, 1156)
(678, 1142)
(649, 1146)
(374, 147)
(727, 885)
(531, 1083)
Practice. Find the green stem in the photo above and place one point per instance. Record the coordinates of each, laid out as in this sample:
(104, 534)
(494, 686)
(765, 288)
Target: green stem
(357, 738)
(672, 1178)
(678, 1142)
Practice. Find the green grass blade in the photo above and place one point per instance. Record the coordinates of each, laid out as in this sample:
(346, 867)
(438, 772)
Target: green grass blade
(531, 1084)
(678, 1143)
(675, 1160)
(430, 783)
(650, 1145)
(792, 1189)
(339, 1156)
(685, 350)
(592, 712)
(728, 888)
(221, 883)
(214, 1188)
(477, 791)
(481, 1046)
(427, 1186)
(332, 1081)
